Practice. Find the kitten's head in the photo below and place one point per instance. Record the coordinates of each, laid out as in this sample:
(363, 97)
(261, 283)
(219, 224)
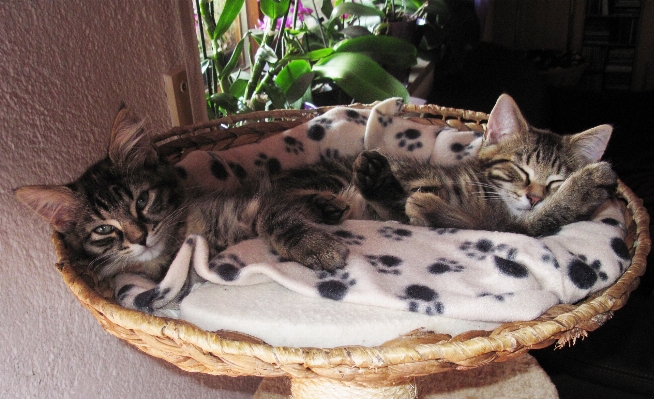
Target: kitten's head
(527, 164)
(124, 213)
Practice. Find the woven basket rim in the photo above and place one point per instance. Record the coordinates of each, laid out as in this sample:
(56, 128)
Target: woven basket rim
(410, 356)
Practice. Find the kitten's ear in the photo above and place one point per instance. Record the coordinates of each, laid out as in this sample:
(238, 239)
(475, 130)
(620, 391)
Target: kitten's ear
(56, 204)
(505, 119)
(591, 144)
(130, 144)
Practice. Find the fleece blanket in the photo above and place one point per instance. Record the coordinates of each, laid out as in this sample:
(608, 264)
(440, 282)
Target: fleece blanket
(461, 274)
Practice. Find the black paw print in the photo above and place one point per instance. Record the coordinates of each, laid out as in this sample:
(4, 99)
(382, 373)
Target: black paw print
(349, 238)
(334, 285)
(318, 129)
(502, 254)
(238, 170)
(293, 145)
(330, 154)
(444, 230)
(584, 274)
(423, 299)
(478, 250)
(272, 165)
(443, 265)
(549, 258)
(620, 248)
(385, 264)
(355, 117)
(384, 120)
(498, 297)
(397, 234)
(218, 170)
(408, 139)
(461, 150)
(227, 267)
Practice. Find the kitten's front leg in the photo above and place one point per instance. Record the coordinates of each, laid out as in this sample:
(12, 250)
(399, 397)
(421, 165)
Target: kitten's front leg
(576, 200)
(374, 179)
(289, 225)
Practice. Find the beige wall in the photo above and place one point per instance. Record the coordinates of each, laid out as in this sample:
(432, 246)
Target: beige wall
(65, 66)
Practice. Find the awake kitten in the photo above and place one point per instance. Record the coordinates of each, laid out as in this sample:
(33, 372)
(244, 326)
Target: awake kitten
(124, 213)
(524, 180)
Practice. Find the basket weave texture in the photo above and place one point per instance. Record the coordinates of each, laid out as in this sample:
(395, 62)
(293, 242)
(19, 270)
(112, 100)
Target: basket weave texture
(416, 354)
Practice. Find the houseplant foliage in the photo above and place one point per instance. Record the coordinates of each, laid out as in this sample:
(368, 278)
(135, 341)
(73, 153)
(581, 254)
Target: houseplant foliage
(300, 55)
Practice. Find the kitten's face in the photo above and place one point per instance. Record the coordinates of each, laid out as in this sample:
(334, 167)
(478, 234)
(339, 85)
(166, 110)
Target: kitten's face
(528, 165)
(526, 172)
(130, 219)
(125, 213)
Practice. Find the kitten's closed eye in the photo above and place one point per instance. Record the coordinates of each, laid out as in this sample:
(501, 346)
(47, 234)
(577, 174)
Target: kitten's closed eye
(554, 184)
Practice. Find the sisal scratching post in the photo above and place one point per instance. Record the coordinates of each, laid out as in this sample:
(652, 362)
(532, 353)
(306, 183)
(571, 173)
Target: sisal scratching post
(326, 388)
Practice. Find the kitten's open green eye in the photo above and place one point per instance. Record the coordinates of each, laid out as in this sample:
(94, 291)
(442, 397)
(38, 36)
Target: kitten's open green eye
(142, 201)
(104, 229)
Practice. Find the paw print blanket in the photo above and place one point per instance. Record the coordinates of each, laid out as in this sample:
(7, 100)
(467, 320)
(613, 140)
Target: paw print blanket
(460, 274)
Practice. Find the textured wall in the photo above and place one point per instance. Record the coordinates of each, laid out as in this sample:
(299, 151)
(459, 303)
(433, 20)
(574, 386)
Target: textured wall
(65, 65)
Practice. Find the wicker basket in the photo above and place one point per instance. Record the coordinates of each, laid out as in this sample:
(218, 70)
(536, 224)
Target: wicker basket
(383, 371)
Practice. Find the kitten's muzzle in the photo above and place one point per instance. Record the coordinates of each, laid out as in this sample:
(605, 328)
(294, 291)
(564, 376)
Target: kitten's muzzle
(135, 232)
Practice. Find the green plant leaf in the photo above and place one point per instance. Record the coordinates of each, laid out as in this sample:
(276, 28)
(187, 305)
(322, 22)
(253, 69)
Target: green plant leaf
(300, 87)
(227, 17)
(386, 50)
(225, 100)
(356, 31)
(355, 9)
(205, 64)
(237, 89)
(275, 95)
(291, 72)
(327, 8)
(360, 77)
(274, 9)
(233, 60)
(294, 79)
(315, 55)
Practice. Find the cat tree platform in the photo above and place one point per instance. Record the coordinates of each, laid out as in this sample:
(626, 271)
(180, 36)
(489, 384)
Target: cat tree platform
(384, 371)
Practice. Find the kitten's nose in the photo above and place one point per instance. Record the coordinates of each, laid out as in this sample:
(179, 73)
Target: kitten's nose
(135, 233)
(534, 199)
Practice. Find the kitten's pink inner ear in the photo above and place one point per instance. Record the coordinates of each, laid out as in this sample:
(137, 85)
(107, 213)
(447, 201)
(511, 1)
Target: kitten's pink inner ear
(505, 119)
(56, 204)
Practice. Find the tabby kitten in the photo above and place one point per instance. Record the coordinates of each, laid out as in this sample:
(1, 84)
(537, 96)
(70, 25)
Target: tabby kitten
(130, 213)
(524, 180)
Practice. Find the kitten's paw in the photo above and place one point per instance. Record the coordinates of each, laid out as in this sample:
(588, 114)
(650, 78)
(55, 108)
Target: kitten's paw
(598, 181)
(329, 208)
(320, 250)
(590, 186)
(372, 174)
(603, 175)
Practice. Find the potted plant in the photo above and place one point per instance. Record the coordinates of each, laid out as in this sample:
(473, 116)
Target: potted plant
(296, 59)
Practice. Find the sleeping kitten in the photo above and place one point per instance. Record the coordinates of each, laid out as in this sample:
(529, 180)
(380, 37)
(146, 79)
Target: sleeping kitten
(524, 180)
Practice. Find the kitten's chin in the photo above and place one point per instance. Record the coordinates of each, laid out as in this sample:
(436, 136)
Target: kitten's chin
(519, 207)
(150, 251)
